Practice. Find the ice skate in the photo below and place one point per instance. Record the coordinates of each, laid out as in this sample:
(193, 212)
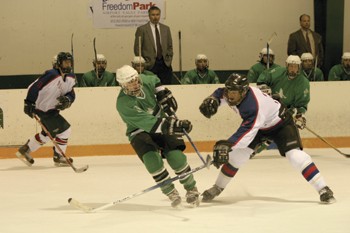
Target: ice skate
(210, 194)
(326, 196)
(60, 161)
(192, 197)
(23, 154)
(174, 198)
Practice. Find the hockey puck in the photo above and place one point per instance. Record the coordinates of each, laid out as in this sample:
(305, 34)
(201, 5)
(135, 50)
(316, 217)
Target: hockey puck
(69, 200)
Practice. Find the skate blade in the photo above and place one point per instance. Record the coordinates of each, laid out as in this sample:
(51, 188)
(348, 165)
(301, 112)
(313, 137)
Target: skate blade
(21, 157)
(61, 164)
(194, 204)
(330, 201)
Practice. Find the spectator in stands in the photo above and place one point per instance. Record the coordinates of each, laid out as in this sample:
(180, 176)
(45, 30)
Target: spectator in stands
(201, 74)
(310, 71)
(306, 41)
(138, 63)
(341, 72)
(99, 76)
(258, 68)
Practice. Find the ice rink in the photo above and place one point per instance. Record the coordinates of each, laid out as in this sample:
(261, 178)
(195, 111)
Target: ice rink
(266, 196)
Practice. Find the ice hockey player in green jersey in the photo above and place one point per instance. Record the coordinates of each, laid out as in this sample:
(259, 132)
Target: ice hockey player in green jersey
(290, 85)
(147, 108)
(341, 72)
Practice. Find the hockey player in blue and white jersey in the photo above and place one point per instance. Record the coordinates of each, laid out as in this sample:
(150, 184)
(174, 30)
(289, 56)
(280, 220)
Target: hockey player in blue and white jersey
(262, 117)
(47, 96)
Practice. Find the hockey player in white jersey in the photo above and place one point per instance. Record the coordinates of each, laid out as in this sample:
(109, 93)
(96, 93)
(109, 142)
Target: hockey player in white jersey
(47, 96)
(262, 117)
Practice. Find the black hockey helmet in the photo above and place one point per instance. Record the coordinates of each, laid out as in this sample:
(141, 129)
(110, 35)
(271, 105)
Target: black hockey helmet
(236, 82)
(63, 56)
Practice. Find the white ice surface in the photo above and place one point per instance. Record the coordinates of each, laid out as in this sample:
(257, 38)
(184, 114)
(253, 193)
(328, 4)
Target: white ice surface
(266, 196)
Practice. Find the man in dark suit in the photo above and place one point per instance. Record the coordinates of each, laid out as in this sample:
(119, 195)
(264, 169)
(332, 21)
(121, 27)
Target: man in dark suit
(156, 45)
(306, 41)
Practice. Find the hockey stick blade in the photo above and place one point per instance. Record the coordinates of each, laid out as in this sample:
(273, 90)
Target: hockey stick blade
(81, 169)
(87, 209)
(328, 143)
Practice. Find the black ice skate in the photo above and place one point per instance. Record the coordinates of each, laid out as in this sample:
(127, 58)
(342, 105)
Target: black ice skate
(326, 196)
(211, 193)
(23, 154)
(174, 198)
(60, 161)
(192, 197)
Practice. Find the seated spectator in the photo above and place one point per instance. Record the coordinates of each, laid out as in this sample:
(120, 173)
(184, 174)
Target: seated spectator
(138, 63)
(341, 72)
(200, 75)
(99, 76)
(258, 68)
(309, 69)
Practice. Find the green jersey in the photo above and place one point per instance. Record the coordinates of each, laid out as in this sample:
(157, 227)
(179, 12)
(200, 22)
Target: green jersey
(194, 77)
(141, 113)
(294, 93)
(314, 75)
(255, 71)
(89, 79)
(338, 73)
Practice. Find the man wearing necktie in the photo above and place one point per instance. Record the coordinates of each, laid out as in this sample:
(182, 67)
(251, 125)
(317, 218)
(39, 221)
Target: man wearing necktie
(306, 41)
(156, 44)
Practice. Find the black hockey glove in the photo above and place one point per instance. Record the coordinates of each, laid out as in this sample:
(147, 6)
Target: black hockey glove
(167, 101)
(221, 152)
(63, 103)
(300, 120)
(29, 108)
(172, 126)
(209, 106)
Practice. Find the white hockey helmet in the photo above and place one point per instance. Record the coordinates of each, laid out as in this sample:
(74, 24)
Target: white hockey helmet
(264, 52)
(100, 58)
(346, 55)
(54, 61)
(138, 60)
(306, 56)
(293, 59)
(129, 80)
(201, 57)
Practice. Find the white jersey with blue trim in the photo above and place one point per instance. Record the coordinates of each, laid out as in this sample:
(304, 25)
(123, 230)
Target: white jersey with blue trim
(47, 88)
(258, 112)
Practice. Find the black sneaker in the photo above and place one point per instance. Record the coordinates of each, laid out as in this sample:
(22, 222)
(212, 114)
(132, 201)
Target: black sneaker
(326, 196)
(23, 154)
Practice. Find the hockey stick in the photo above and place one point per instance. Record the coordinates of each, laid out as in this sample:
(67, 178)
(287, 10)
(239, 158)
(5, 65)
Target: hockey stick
(193, 145)
(315, 68)
(325, 141)
(140, 54)
(89, 209)
(71, 48)
(268, 49)
(96, 69)
(77, 170)
(180, 55)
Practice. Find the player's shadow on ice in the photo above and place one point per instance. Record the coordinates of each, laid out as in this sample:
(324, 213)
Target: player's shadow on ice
(233, 200)
(23, 168)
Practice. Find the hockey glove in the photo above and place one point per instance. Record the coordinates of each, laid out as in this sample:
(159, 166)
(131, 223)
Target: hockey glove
(300, 120)
(29, 108)
(265, 89)
(172, 126)
(221, 152)
(63, 103)
(167, 101)
(209, 106)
